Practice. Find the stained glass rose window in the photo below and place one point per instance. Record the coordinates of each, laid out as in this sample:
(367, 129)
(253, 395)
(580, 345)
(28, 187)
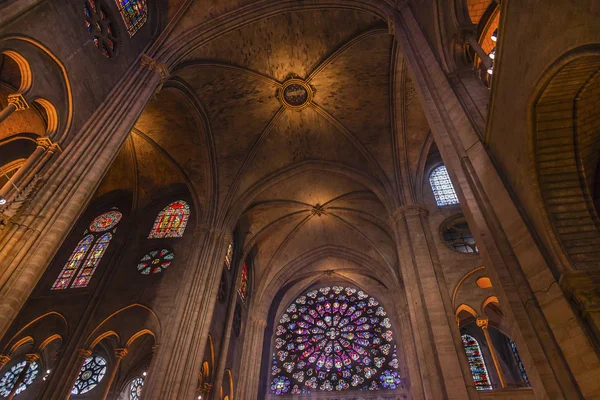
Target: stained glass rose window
(334, 339)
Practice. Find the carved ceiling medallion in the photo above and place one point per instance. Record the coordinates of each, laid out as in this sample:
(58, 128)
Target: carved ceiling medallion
(295, 94)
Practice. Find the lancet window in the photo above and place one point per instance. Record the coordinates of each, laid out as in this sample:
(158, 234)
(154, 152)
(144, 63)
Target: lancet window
(476, 362)
(334, 339)
(442, 187)
(134, 13)
(171, 221)
(243, 289)
(88, 253)
(513, 347)
(229, 256)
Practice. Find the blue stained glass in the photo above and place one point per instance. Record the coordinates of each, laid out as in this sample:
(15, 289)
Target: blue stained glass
(513, 347)
(134, 13)
(442, 187)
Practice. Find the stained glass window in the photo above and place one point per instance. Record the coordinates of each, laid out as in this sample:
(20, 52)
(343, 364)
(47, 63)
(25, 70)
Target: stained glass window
(92, 372)
(334, 339)
(135, 389)
(68, 272)
(243, 290)
(513, 347)
(155, 261)
(106, 221)
(91, 262)
(478, 369)
(458, 236)
(171, 221)
(10, 378)
(99, 25)
(229, 256)
(134, 13)
(442, 187)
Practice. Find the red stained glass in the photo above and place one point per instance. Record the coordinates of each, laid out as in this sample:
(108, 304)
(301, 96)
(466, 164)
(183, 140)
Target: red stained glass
(229, 256)
(134, 13)
(478, 368)
(105, 221)
(68, 271)
(171, 221)
(92, 261)
(243, 290)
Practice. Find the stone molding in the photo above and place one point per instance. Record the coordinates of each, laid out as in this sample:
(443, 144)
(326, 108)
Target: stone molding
(583, 288)
(412, 209)
(18, 100)
(48, 145)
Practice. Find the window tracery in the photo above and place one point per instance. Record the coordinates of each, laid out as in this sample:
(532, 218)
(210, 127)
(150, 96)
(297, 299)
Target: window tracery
(92, 372)
(134, 13)
(11, 377)
(476, 362)
(334, 339)
(155, 261)
(99, 25)
(442, 187)
(457, 235)
(171, 221)
(135, 389)
(100, 240)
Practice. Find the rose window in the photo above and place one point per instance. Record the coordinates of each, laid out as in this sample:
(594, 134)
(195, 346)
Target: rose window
(11, 377)
(155, 261)
(92, 372)
(334, 339)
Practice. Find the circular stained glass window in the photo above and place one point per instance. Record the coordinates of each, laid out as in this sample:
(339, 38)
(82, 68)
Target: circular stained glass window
(92, 372)
(106, 221)
(333, 339)
(155, 262)
(100, 26)
(9, 379)
(135, 389)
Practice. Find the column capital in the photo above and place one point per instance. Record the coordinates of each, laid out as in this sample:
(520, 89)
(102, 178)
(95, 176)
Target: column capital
(84, 353)
(207, 387)
(47, 144)
(155, 66)
(32, 357)
(18, 100)
(4, 360)
(483, 322)
(412, 209)
(121, 352)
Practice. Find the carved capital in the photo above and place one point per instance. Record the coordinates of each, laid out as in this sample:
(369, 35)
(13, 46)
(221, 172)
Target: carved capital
(413, 209)
(155, 349)
(32, 357)
(483, 322)
(18, 101)
(121, 352)
(84, 353)
(4, 360)
(159, 68)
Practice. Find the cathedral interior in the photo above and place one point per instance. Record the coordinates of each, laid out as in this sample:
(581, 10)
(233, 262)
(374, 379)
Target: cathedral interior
(299, 199)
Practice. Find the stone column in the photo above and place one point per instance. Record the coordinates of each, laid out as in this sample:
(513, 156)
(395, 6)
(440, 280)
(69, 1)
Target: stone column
(247, 386)
(224, 348)
(174, 374)
(16, 102)
(29, 359)
(119, 354)
(82, 354)
(444, 370)
(517, 266)
(483, 324)
(29, 240)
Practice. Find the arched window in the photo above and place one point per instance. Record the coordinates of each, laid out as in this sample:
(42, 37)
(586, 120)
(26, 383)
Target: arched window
(135, 389)
(91, 263)
(513, 347)
(171, 221)
(478, 369)
(10, 378)
(442, 187)
(92, 372)
(334, 339)
(100, 239)
(99, 25)
(134, 13)
(229, 256)
(243, 290)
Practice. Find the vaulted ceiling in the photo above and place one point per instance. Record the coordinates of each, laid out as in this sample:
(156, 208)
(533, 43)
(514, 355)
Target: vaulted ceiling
(320, 179)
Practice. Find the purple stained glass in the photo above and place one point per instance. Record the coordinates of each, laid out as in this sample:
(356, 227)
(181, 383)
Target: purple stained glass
(442, 187)
(333, 339)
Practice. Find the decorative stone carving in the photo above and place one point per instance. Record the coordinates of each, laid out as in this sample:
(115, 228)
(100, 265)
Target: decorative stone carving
(159, 68)
(295, 93)
(18, 101)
